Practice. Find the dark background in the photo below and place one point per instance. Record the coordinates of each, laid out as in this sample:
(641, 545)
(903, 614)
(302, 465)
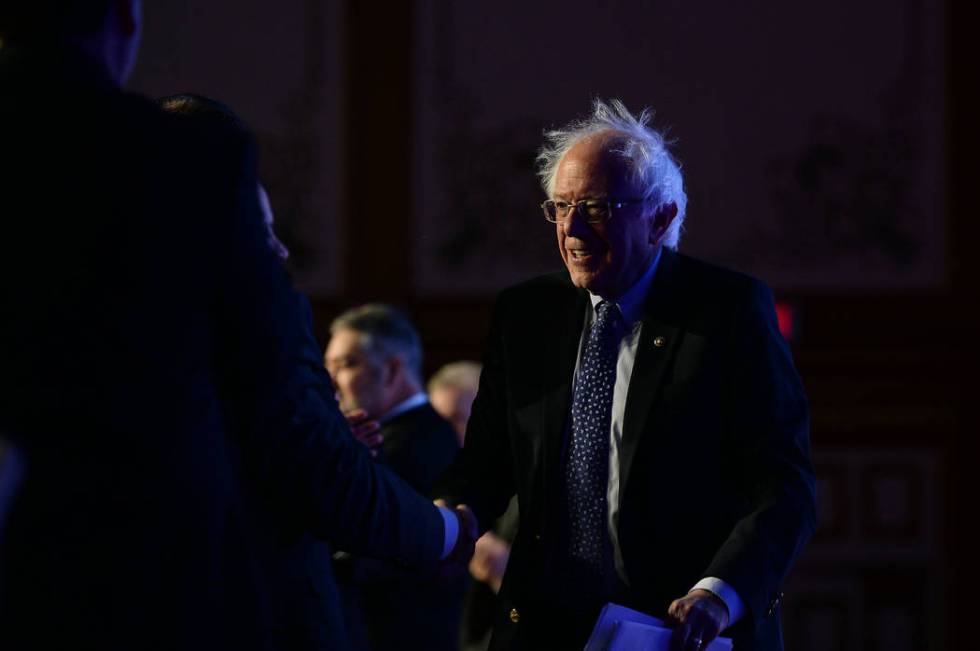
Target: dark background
(890, 367)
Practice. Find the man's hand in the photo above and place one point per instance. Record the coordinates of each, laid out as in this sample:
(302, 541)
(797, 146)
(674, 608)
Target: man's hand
(454, 565)
(698, 618)
(490, 560)
(365, 430)
(466, 540)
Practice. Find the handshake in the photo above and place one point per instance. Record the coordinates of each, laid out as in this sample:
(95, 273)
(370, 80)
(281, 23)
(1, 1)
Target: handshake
(367, 431)
(467, 532)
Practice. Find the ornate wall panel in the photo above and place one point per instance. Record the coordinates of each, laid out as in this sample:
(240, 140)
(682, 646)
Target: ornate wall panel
(811, 134)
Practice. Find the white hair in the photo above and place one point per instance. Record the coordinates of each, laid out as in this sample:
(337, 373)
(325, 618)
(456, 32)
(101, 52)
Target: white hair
(458, 375)
(654, 170)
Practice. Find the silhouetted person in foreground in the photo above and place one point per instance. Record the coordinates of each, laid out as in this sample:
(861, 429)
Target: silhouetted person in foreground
(221, 122)
(158, 378)
(305, 604)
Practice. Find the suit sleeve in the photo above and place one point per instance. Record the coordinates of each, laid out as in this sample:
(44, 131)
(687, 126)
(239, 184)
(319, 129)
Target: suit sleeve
(769, 431)
(295, 444)
(482, 475)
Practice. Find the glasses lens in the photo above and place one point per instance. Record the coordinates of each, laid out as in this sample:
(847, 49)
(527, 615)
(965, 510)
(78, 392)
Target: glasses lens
(592, 211)
(550, 211)
(596, 210)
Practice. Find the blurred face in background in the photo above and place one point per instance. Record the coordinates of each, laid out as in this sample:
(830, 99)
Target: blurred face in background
(359, 378)
(454, 404)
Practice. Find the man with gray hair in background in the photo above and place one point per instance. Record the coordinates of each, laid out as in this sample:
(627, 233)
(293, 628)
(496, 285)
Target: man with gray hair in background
(645, 410)
(374, 357)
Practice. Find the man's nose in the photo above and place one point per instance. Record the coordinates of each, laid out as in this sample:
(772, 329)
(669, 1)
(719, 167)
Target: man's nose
(575, 223)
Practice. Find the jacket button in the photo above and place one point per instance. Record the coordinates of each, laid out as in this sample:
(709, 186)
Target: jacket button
(514, 615)
(537, 537)
(659, 342)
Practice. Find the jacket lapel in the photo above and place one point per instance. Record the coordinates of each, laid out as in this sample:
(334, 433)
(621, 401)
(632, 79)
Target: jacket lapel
(659, 341)
(560, 366)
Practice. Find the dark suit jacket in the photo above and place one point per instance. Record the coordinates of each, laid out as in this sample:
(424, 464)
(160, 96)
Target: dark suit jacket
(304, 599)
(387, 608)
(715, 475)
(158, 376)
(419, 445)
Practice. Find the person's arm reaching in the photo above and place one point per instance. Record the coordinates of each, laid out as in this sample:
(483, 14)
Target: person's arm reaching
(280, 408)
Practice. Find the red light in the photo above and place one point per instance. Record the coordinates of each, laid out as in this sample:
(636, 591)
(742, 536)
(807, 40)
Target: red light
(786, 315)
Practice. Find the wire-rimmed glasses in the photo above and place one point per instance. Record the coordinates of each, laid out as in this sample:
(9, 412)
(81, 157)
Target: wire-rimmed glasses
(593, 211)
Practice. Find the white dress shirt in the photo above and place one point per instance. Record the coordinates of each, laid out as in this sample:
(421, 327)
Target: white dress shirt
(416, 400)
(631, 306)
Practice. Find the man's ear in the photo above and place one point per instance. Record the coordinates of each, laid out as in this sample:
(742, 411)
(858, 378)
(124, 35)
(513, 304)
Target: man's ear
(130, 15)
(662, 219)
(392, 370)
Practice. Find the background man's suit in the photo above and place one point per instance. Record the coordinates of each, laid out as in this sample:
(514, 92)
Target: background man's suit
(158, 376)
(401, 610)
(715, 478)
(419, 445)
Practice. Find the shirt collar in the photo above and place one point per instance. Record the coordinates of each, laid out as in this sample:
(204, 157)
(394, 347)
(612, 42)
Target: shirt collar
(631, 302)
(417, 400)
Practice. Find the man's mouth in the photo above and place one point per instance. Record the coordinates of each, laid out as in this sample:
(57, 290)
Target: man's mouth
(580, 255)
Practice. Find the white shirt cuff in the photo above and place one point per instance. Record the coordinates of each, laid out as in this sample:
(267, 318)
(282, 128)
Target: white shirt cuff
(452, 531)
(724, 592)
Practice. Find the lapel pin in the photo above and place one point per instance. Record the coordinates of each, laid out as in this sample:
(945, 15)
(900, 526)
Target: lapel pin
(659, 341)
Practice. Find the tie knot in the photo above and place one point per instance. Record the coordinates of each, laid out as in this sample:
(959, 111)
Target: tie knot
(606, 328)
(607, 313)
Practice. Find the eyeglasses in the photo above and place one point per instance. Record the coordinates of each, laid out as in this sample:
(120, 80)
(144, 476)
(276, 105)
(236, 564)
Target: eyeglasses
(593, 210)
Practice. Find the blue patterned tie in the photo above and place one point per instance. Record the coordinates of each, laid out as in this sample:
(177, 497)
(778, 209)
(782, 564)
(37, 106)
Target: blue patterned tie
(587, 467)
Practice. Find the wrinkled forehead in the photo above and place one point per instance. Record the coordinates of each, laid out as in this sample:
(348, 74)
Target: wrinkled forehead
(596, 166)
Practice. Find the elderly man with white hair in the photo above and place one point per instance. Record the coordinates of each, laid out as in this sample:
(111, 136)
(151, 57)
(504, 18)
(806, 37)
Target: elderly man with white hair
(645, 410)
